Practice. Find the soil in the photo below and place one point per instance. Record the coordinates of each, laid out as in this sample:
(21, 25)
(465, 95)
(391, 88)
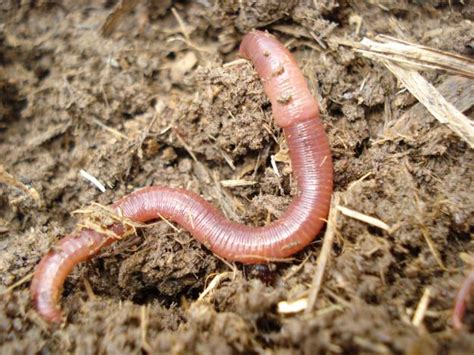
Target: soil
(138, 93)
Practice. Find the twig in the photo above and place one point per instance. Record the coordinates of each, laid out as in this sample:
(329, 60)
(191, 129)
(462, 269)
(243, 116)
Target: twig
(325, 254)
(89, 290)
(293, 272)
(181, 23)
(17, 284)
(115, 132)
(186, 147)
(144, 315)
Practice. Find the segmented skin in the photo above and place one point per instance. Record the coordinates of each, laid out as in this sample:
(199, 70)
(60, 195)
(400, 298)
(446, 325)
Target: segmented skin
(464, 294)
(297, 112)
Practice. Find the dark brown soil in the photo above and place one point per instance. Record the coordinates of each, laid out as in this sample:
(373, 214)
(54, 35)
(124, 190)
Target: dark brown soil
(131, 96)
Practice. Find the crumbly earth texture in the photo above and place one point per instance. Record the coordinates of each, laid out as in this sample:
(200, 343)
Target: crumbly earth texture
(149, 92)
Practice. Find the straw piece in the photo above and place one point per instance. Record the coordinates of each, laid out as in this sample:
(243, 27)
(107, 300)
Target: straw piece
(434, 102)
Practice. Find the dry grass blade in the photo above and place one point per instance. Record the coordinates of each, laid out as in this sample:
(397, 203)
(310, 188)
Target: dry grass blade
(176, 229)
(421, 308)
(403, 58)
(186, 31)
(235, 62)
(89, 290)
(99, 218)
(144, 320)
(92, 179)
(17, 284)
(458, 90)
(114, 18)
(294, 31)
(214, 283)
(111, 130)
(416, 56)
(364, 218)
(300, 32)
(182, 25)
(325, 254)
(8, 179)
(297, 269)
(431, 245)
(434, 102)
(370, 346)
(187, 148)
(237, 182)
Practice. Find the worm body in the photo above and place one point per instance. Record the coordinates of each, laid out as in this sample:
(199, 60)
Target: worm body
(297, 112)
(461, 300)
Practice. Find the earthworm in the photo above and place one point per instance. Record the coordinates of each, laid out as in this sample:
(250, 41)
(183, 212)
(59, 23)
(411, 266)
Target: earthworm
(297, 112)
(461, 300)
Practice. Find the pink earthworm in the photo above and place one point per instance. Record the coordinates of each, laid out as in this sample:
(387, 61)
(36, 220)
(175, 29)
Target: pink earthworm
(461, 300)
(296, 111)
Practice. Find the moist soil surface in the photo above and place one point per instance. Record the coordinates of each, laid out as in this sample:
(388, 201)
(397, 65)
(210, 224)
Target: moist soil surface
(141, 93)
